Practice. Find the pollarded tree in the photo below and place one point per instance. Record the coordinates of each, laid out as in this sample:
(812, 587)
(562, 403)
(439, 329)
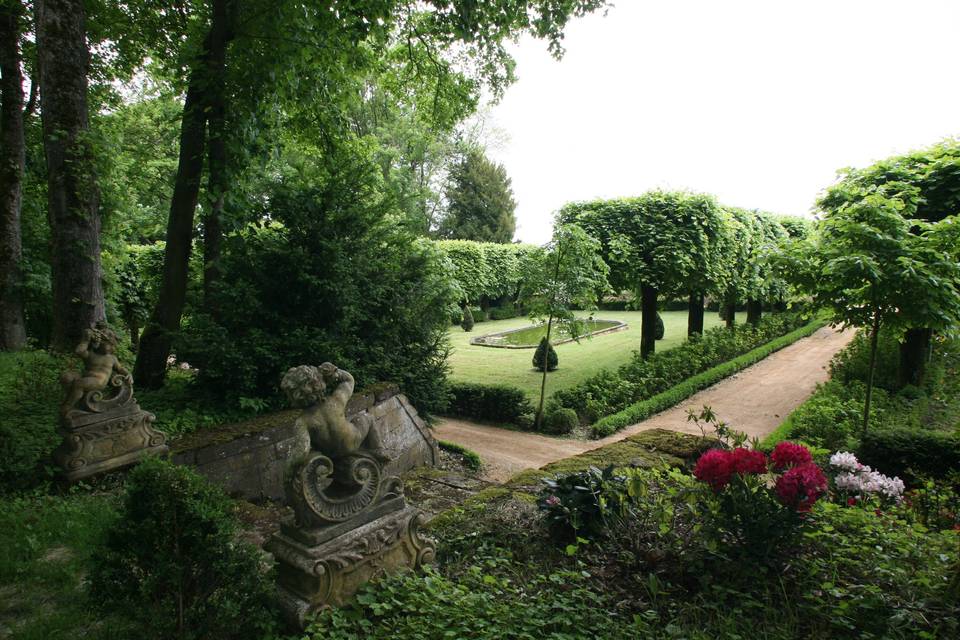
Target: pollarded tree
(764, 283)
(480, 204)
(654, 245)
(567, 273)
(875, 267)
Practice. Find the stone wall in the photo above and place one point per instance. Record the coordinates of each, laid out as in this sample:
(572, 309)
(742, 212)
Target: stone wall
(248, 459)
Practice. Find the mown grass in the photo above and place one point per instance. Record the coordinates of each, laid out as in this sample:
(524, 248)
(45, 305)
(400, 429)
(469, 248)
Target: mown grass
(578, 361)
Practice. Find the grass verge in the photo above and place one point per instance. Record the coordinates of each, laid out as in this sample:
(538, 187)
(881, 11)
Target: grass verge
(646, 408)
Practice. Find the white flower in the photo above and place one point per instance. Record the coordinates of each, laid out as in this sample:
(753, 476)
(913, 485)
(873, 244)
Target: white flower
(845, 460)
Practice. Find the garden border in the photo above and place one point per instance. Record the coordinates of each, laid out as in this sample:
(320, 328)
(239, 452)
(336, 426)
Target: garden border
(643, 409)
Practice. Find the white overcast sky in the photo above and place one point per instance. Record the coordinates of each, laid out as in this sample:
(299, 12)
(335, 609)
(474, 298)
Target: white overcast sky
(756, 101)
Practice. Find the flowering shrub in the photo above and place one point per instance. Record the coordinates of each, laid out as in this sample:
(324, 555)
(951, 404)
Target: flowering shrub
(761, 502)
(788, 454)
(858, 482)
(801, 486)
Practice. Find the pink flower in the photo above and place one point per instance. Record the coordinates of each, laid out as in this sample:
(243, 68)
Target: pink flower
(788, 454)
(746, 461)
(552, 501)
(715, 468)
(801, 486)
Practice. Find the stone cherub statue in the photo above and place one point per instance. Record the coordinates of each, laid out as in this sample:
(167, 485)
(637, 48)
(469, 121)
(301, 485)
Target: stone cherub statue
(101, 368)
(323, 392)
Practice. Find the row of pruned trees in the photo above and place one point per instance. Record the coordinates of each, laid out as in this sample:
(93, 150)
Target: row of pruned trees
(676, 244)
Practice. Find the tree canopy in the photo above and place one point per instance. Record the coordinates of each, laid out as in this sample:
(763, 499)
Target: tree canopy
(479, 200)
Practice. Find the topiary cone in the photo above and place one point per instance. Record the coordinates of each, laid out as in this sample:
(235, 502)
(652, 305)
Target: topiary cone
(467, 323)
(552, 359)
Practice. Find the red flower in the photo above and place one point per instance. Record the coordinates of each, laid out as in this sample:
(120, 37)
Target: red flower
(851, 502)
(715, 468)
(788, 454)
(801, 486)
(746, 461)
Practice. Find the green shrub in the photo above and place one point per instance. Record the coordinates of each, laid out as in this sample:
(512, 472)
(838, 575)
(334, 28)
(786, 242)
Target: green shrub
(552, 359)
(30, 397)
(560, 421)
(340, 278)
(659, 329)
(910, 453)
(467, 323)
(830, 418)
(493, 403)
(479, 315)
(852, 363)
(504, 312)
(173, 561)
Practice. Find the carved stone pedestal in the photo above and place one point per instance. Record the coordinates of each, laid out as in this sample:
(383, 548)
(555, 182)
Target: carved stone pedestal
(97, 442)
(329, 573)
(105, 429)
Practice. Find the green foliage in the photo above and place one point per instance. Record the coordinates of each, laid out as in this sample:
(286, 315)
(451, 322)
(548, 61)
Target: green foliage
(667, 240)
(545, 354)
(470, 458)
(660, 330)
(504, 312)
(357, 290)
(911, 453)
(560, 421)
(30, 396)
(664, 400)
(487, 270)
(480, 201)
(172, 561)
(608, 391)
(555, 605)
(467, 323)
(493, 403)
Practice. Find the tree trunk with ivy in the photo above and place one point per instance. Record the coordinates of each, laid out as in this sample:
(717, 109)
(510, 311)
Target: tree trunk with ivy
(13, 333)
(73, 196)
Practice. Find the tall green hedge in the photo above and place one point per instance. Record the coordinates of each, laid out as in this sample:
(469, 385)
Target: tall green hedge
(486, 270)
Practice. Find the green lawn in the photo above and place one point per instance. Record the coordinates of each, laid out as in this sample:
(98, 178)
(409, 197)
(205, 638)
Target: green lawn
(472, 363)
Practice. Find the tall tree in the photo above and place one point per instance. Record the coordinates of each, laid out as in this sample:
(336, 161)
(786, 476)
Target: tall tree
(567, 274)
(875, 267)
(480, 204)
(73, 197)
(13, 333)
(928, 180)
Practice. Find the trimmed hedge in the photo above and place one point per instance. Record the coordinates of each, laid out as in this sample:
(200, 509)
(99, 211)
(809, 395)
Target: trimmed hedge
(609, 391)
(910, 453)
(646, 408)
(506, 312)
(493, 403)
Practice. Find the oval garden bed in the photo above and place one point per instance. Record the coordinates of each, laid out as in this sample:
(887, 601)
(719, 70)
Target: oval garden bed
(529, 337)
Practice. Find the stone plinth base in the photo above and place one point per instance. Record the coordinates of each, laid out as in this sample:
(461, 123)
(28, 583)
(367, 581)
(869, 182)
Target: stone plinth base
(313, 577)
(98, 442)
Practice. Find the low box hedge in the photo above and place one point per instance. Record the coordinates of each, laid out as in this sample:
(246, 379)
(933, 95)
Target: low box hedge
(910, 453)
(491, 403)
(666, 399)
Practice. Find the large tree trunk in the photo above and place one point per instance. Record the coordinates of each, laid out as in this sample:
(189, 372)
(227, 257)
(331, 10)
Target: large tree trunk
(73, 198)
(13, 333)
(164, 323)
(648, 320)
(730, 310)
(695, 314)
(914, 355)
(754, 311)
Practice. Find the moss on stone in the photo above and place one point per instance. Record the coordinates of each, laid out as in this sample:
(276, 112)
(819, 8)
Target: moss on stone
(229, 432)
(681, 445)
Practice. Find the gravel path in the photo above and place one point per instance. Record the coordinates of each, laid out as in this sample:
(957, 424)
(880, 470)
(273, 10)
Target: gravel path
(755, 401)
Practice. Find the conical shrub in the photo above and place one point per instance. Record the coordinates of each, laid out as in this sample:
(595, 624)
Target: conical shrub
(552, 359)
(467, 323)
(659, 335)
